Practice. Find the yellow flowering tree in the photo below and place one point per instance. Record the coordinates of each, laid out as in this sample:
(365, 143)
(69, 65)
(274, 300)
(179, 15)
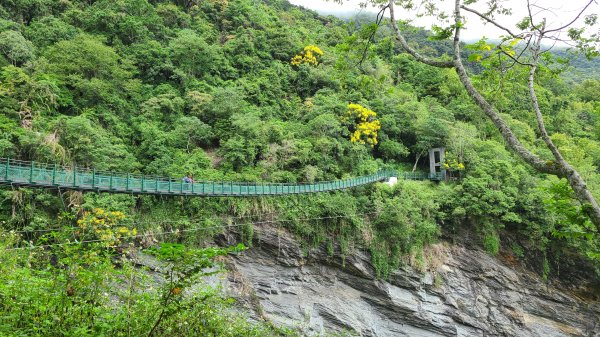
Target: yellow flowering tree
(106, 227)
(364, 124)
(310, 55)
(453, 165)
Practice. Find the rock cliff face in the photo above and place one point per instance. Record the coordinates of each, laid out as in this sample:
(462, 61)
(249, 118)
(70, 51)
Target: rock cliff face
(471, 294)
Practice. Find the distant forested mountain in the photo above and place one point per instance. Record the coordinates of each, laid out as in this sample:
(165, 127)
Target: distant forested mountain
(581, 68)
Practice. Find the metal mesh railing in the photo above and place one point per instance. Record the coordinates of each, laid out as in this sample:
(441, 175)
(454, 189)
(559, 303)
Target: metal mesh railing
(46, 175)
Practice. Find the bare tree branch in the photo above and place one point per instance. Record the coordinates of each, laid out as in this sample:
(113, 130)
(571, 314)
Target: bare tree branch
(522, 52)
(516, 60)
(378, 21)
(493, 22)
(531, 16)
(549, 48)
(543, 9)
(572, 21)
(526, 46)
(432, 62)
(557, 39)
(535, 50)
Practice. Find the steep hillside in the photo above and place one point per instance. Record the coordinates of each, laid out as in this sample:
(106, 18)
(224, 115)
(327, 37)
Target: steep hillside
(246, 90)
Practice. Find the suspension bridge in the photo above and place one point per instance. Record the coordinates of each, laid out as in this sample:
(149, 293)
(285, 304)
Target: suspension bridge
(38, 175)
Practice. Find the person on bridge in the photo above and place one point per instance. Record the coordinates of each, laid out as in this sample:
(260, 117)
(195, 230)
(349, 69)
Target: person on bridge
(187, 179)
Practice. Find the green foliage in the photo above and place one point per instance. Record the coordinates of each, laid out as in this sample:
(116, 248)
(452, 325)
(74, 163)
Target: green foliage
(15, 47)
(48, 30)
(206, 88)
(571, 223)
(92, 145)
(589, 91)
(24, 96)
(79, 289)
(491, 241)
(192, 55)
(407, 223)
(517, 250)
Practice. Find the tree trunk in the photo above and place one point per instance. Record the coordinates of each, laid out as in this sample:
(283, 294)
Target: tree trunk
(417, 161)
(560, 167)
(585, 197)
(583, 194)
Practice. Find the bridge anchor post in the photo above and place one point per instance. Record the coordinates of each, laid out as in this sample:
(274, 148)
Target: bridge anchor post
(437, 157)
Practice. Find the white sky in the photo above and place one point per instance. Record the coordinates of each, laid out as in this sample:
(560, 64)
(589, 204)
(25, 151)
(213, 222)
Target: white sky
(560, 13)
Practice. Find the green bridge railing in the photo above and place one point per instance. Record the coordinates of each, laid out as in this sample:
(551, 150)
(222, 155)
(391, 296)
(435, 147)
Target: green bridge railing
(33, 174)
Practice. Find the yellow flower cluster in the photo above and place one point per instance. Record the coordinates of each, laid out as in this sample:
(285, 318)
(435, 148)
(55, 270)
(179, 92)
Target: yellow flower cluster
(453, 165)
(104, 226)
(366, 125)
(308, 56)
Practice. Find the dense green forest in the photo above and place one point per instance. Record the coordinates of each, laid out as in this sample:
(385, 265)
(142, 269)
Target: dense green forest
(579, 69)
(246, 90)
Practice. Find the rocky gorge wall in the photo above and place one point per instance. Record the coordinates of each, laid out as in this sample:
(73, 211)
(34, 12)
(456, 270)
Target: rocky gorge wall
(470, 294)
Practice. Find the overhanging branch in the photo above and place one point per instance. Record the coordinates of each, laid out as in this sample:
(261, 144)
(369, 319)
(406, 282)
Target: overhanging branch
(572, 21)
(509, 137)
(423, 59)
(486, 18)
(378, 21)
